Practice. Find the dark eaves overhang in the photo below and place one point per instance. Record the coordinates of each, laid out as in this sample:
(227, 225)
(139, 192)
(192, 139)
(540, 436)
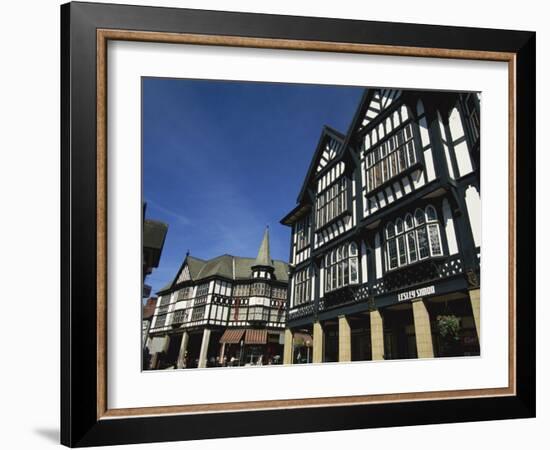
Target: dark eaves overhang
(295, 214)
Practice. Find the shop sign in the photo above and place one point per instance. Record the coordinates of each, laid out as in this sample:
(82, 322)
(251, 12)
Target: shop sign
(416, 293)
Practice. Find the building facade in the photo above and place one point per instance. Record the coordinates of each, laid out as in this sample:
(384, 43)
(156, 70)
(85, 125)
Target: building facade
(386, 234)
(226, 311)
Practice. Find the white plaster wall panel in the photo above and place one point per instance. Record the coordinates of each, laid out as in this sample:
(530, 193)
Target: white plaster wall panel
(430, 168)
(404, 113)
(449, 228)
(322, 281)
(455, 125)
(396, 120)
(448, 160)
(406, 185)
(424, 135)
(389, 195)
(381, 200)
(473, 204)
(378, 255)
(389, 126)
(397, 189)
(463, 159)
(418, 179)
(419, 107)
(364, 269)
(312, 290)
(292, 290)
(348, 223)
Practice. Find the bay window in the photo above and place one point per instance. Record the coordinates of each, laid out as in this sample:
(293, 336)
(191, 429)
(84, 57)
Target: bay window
(412, 239)
(302, 286)
(331, 202)
(302, 233)
(390, 158)
(341, 267)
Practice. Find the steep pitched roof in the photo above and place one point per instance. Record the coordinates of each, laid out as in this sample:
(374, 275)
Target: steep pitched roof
(323, 155)
(264, 258)
(227, 266)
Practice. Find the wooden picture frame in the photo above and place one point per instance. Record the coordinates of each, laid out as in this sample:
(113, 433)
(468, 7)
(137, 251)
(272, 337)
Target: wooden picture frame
(85, 417)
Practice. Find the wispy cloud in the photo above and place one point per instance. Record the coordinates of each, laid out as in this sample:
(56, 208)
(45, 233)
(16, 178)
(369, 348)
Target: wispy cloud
(180, 217)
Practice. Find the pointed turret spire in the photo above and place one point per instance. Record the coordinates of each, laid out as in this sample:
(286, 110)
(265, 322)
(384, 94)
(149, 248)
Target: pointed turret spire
(264, 257)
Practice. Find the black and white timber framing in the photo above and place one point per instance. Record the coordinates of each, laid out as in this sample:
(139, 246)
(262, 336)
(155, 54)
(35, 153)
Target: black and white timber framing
(388, 216)
(224, 308)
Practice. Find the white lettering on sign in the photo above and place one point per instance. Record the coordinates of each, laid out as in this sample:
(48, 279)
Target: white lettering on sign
(416, 293)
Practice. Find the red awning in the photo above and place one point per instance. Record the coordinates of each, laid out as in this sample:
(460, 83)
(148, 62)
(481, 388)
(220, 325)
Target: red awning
(258, 337)
(232, 336)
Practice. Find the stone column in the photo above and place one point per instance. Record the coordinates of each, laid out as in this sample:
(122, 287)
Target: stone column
(222, 353)
(377, 335)
(289, 347)
(154, 360)
(204, 348)
(318, 342)
(474, 300)
(344, 339)
(422, 330)
(183, 350)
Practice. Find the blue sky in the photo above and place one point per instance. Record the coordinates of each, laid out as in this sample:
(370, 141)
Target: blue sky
(221, 160)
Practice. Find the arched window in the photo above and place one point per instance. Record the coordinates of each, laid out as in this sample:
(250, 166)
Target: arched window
(409, 222)
(390, 230)
(413, 240)
(342, 270)
(419, 217)
(431, 215)
(399, 226)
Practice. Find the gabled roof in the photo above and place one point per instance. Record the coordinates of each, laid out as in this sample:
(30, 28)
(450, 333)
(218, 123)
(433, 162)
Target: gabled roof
(378, 101)
(321, 154)
(230, 267)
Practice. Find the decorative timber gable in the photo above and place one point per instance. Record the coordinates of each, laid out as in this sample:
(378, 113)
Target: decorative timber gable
(331, 149)
(381, 99)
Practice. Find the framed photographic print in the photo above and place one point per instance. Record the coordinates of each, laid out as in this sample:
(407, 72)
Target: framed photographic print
(276, 224)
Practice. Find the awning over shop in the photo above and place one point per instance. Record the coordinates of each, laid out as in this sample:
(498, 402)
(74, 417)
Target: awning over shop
(258, 337)
(232, 336)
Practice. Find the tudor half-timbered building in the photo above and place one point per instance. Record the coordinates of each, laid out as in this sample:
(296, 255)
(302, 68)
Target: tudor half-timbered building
(228, 310)
(386, 233)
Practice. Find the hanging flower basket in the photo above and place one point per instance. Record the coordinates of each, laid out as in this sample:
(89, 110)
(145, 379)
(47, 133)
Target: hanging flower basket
(448, 327)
